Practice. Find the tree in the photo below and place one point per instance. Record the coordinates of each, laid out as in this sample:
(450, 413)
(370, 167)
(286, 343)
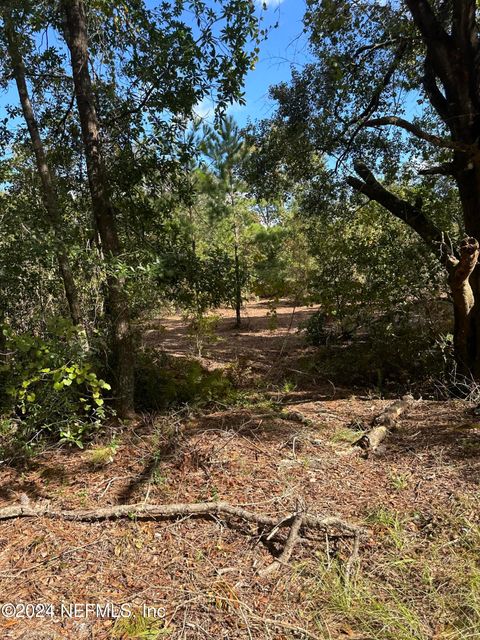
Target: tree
(375, 65)
(118, 305)
(227, 150)
(138, 76)
(49, 192)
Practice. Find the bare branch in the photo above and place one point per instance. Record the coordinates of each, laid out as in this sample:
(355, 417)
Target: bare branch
(382, 85)
(436, 97)
(419, 133)
(377, 45)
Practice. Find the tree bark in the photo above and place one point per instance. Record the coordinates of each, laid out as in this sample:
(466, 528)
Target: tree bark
(49, 192)
(236, 240)
(118, 305)
(466, 319)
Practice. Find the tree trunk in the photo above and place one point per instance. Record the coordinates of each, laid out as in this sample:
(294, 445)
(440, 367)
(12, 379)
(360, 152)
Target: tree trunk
(467, 301)
(236, 240)
(49, 193)
(238, 286)
(117, 302)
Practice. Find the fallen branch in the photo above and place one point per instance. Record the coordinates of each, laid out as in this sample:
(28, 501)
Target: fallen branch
(390, 415)
(142, 511)
(297, 521)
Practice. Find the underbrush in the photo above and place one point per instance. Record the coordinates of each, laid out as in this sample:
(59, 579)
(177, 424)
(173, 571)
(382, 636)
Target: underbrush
(395, 352)
(52, 389)
(162, 381)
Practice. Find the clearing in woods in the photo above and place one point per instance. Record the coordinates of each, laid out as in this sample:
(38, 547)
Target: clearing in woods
(280, 443)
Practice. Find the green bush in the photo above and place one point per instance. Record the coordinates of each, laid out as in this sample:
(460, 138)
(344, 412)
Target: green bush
(51, 387)
(316, 331)
(396, 353)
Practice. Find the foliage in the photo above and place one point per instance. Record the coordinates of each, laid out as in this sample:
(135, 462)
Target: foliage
(52, 388)
(316, 331)
(197, 282)
(395, 353)
(202, 330)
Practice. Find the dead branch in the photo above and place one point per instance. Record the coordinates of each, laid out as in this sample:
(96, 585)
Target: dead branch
(296, 521)
(168, 511)
(287, 550)
(390, 415)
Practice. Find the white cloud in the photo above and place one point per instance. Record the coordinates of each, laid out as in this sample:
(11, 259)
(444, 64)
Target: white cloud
(269, 3)
(205, 109)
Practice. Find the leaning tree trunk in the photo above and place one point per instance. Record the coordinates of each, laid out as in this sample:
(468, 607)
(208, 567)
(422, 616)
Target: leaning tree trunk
(117, 303)
(49, 193)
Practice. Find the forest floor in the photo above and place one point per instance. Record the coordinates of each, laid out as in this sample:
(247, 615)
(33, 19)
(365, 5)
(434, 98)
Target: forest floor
(285, 436)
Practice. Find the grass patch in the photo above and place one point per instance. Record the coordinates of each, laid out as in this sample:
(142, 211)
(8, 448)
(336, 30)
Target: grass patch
(346, 435)
(414, 589)
(139, 626)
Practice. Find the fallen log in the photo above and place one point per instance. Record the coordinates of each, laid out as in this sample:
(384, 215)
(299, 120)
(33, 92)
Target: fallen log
(390, 415)
(381, 425)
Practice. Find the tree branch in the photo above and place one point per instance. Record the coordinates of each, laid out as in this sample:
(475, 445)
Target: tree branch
(464, 30)
(144, 511)
(376, 45)
(445, 169)
(384, 82)
(438, 242)
(426, 21)
(419, 133)
(436, 97)
(440, 45)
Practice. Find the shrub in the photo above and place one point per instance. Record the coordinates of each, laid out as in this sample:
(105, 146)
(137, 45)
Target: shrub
(202, 330)
(51, 387)
(315, 328)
